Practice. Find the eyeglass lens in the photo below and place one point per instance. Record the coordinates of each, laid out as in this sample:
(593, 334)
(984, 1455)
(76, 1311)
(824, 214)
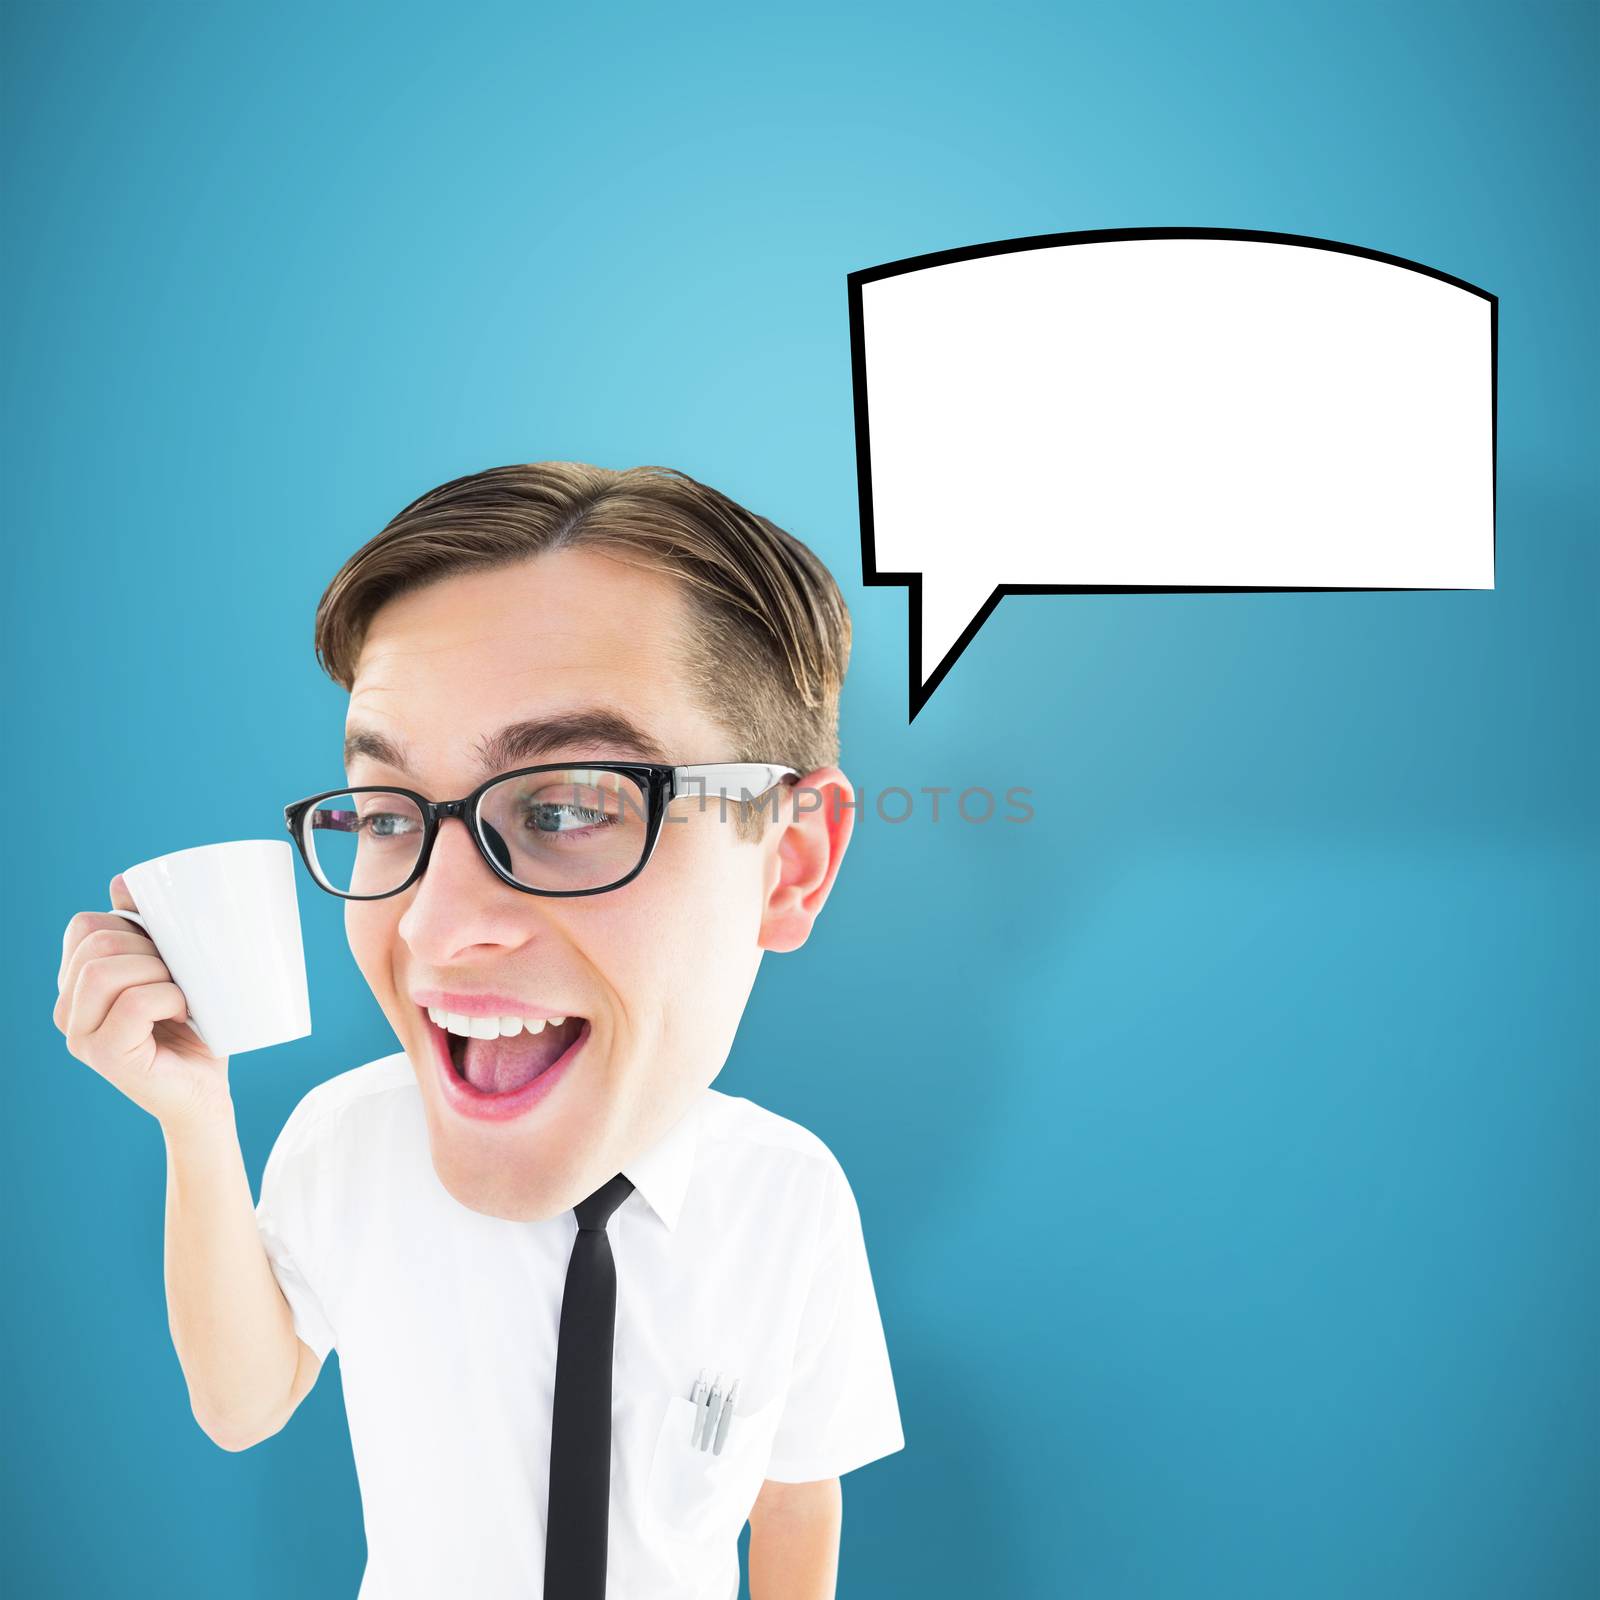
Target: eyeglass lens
(578, 828)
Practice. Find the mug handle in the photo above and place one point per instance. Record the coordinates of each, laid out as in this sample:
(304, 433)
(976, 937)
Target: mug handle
(133, 916)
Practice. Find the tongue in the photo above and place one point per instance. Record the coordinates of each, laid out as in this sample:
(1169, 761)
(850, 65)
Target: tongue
(499, 1066)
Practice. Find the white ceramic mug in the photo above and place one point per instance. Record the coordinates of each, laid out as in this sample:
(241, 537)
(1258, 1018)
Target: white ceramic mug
(225, 919)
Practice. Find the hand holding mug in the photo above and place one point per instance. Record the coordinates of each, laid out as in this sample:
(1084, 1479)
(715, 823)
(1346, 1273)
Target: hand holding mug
(199, 959)
(124, 1016)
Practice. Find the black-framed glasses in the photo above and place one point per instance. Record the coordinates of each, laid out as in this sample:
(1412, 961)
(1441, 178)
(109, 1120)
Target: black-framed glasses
(556, 829)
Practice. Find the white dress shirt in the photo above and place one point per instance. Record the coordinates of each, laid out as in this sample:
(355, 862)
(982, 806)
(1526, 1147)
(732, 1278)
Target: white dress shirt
(740, 1251)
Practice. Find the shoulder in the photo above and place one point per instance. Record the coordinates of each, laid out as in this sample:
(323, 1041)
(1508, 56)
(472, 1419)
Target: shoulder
(350, 1104)
(734, 1120)
(750, 1145)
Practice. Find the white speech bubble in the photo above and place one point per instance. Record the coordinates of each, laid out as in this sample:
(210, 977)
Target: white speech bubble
(1167, 410)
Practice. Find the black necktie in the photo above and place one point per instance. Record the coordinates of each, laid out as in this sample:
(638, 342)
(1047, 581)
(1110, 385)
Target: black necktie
(580, 1421)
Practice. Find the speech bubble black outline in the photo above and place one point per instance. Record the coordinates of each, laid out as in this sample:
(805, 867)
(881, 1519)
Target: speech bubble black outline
(921, 693)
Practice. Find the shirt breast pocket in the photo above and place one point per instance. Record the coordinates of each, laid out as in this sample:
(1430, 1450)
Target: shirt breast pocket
(697, 1494)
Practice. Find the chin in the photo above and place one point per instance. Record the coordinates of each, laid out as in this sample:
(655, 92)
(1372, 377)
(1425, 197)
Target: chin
(500, 1185)
(508, 1207)
(489, 1174)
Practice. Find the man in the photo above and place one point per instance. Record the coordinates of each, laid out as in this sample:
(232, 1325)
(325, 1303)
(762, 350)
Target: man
(592, 1313)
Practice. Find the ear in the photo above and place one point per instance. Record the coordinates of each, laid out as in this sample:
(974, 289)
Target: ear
(804, 849)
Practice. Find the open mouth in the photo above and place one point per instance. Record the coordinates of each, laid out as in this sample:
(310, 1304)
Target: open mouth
(518, 1051)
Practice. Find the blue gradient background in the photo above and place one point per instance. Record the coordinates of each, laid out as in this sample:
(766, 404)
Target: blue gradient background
(1225, 1138)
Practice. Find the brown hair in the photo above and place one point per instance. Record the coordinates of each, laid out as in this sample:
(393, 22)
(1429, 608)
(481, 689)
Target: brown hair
(771, 641)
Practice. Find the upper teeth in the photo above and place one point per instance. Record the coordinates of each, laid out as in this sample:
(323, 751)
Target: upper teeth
(490, 1027)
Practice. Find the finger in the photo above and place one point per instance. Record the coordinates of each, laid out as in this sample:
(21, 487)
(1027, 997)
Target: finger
(120, 897)
(101, 983)
(133, 1016)
(116, 938)
(81, 926)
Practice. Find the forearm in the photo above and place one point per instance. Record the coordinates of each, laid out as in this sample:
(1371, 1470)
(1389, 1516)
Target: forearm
(231, 1326)
(796, 1556)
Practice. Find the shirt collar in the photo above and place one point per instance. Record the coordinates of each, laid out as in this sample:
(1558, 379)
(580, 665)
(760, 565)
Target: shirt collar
(661, 1173)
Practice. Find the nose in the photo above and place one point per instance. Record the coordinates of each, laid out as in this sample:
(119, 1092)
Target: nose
(459, 904)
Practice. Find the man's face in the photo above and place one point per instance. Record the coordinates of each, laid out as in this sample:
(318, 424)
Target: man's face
(660, 968)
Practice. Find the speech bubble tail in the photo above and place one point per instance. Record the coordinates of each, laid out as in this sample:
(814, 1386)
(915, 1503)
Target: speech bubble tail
(944, 619)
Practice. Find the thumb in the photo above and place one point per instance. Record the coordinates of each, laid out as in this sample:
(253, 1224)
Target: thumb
(121, 900)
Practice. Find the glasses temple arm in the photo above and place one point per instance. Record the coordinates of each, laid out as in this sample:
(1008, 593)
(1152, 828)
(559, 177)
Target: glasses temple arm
(749, 779)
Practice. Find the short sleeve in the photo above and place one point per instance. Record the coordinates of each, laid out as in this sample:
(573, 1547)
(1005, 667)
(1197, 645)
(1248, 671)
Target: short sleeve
(840, 1411)
(293, 1217)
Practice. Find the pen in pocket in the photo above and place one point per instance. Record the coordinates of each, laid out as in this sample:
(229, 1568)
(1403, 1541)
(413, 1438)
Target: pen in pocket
(722, 1421)
(697, 1397)
(712, 1408)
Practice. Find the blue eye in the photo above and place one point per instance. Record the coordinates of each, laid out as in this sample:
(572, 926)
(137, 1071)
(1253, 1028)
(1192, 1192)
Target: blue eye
(380, 824)
(545, 817)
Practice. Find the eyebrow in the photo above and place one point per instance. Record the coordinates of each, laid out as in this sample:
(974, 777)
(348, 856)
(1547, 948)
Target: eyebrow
(522, 743)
